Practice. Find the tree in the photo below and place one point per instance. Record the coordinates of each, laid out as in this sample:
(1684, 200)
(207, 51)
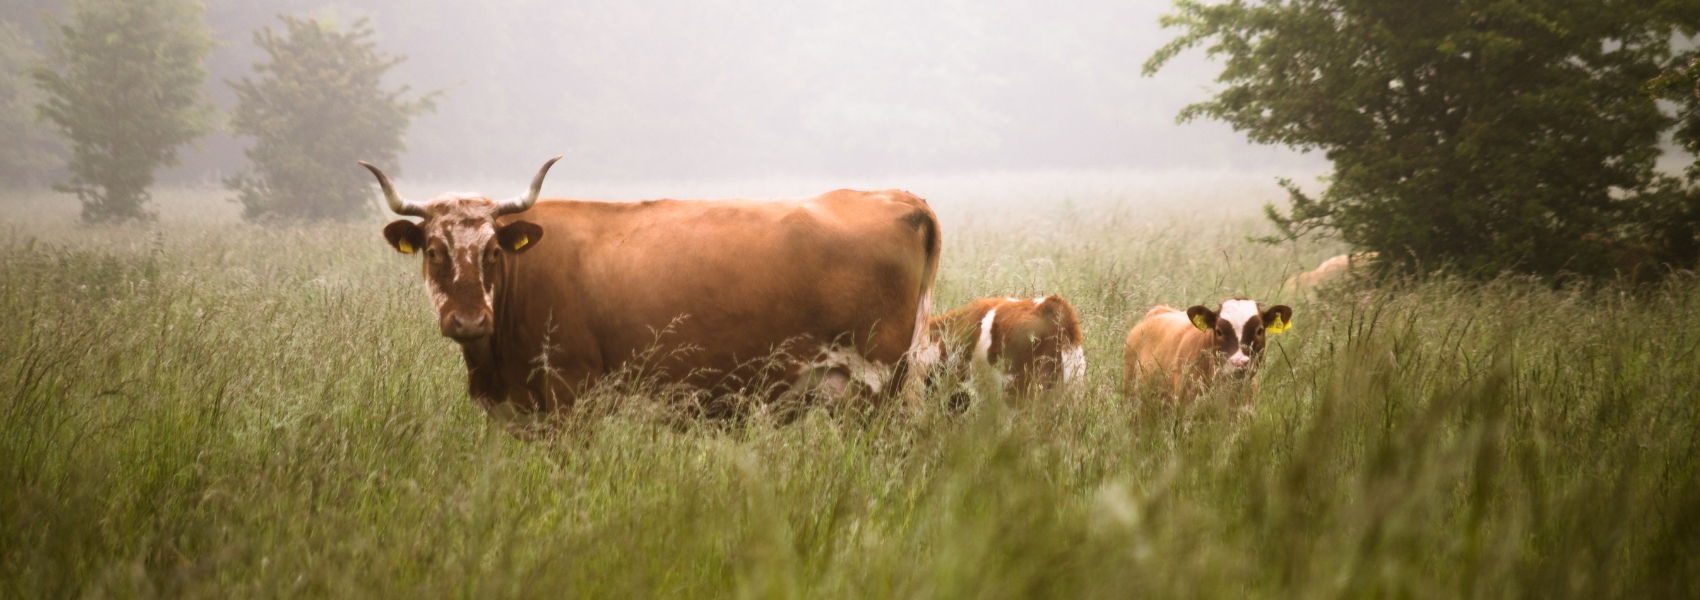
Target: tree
(30, 151)
(318, 106)
(1673, 218)
(1482, 135)
(1680, 84)
(124, 85)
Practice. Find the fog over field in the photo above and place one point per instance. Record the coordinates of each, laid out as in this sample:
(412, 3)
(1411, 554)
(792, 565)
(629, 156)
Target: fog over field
(220, 404)
(664, 90)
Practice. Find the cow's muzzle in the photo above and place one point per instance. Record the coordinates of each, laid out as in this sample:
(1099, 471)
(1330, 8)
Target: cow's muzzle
(466, 326)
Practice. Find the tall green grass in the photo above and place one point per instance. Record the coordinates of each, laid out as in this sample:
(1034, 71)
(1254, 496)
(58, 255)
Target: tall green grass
(212, 409)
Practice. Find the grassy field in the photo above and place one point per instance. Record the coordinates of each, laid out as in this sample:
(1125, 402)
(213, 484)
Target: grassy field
(206, 408)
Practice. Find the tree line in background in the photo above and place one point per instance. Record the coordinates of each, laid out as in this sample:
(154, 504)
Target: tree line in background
(1482, 136)
(123, 83)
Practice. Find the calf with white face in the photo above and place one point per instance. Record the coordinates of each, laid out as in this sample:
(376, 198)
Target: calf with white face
(1185, 351)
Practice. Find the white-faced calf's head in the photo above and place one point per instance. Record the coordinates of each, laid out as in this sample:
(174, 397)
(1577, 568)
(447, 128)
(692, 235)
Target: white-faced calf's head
(1239, 328)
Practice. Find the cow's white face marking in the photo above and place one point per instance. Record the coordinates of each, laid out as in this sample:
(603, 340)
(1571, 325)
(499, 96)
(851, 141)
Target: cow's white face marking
(469, 246)
(1237, 313)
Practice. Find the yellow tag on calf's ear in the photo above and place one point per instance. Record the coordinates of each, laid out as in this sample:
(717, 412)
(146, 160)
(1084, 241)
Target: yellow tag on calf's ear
(404, 247)
(521, 242)
(1278, 325)
(1198, 321)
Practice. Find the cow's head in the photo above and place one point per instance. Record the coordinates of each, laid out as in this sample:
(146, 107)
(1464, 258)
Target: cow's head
(1239, 329)
(464, 249)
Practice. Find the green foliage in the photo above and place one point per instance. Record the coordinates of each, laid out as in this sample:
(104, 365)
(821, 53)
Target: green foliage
(123, 84)
(318, 107)
(1484, 135)
(30, 151)
(1681, 85)
(1405, 443)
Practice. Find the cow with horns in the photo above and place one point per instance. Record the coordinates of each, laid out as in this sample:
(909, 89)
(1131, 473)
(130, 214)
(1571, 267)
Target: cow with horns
(827, 295)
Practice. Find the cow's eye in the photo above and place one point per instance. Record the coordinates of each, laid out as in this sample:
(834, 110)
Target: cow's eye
(490, 254)
(434, 254)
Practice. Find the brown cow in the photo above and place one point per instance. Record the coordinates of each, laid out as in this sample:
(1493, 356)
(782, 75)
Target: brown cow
(1329, 271)
(1187, 350)
(544, 298)
(1031, 343)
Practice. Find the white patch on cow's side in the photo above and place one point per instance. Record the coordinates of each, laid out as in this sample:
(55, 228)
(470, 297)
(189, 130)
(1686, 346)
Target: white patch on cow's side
(983, 346)
(1011, 299)
(1073, 364)
(869, 373)
(1040, 301)
(927, 355)
(920, 341)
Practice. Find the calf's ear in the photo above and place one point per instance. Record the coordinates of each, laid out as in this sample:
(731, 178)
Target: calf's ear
(519, 236)
(1202, 318)
(405, 236)
(1277, 318)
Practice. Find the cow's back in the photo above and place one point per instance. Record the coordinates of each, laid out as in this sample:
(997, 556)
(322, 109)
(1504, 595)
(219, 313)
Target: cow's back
(1165, 347)
(705, 289)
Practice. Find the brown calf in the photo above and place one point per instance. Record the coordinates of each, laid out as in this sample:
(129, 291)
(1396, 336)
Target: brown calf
(1186, 350)
(1031, 343)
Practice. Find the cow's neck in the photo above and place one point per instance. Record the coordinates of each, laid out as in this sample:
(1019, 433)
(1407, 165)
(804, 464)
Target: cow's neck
(539, 362)
(483, 381)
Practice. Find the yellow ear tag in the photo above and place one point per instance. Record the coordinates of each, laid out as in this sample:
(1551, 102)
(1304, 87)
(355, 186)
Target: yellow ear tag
(404, 247)
(521, 242)
(1198, 321)
(1278, 325)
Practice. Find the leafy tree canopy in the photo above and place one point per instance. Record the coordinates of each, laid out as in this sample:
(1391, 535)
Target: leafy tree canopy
(317, 106)
(124, 85)
(1482, 135)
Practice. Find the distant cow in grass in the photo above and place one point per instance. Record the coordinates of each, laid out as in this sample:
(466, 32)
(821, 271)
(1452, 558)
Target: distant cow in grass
(1329, 271)
(1026, 343)
(1184, 351)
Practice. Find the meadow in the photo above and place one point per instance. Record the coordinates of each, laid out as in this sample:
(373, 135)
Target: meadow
(208, 408)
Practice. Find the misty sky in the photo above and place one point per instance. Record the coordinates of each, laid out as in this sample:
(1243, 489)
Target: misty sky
(751, 88)
(638, 90)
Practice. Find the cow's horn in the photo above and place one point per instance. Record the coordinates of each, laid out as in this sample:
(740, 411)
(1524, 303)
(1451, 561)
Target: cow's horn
(524, 203)
(397, 204)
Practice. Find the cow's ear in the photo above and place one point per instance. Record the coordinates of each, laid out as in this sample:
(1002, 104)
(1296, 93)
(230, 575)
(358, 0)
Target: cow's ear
(1277, 318)
(405, 236)
(519, 236)
(1202, 318)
